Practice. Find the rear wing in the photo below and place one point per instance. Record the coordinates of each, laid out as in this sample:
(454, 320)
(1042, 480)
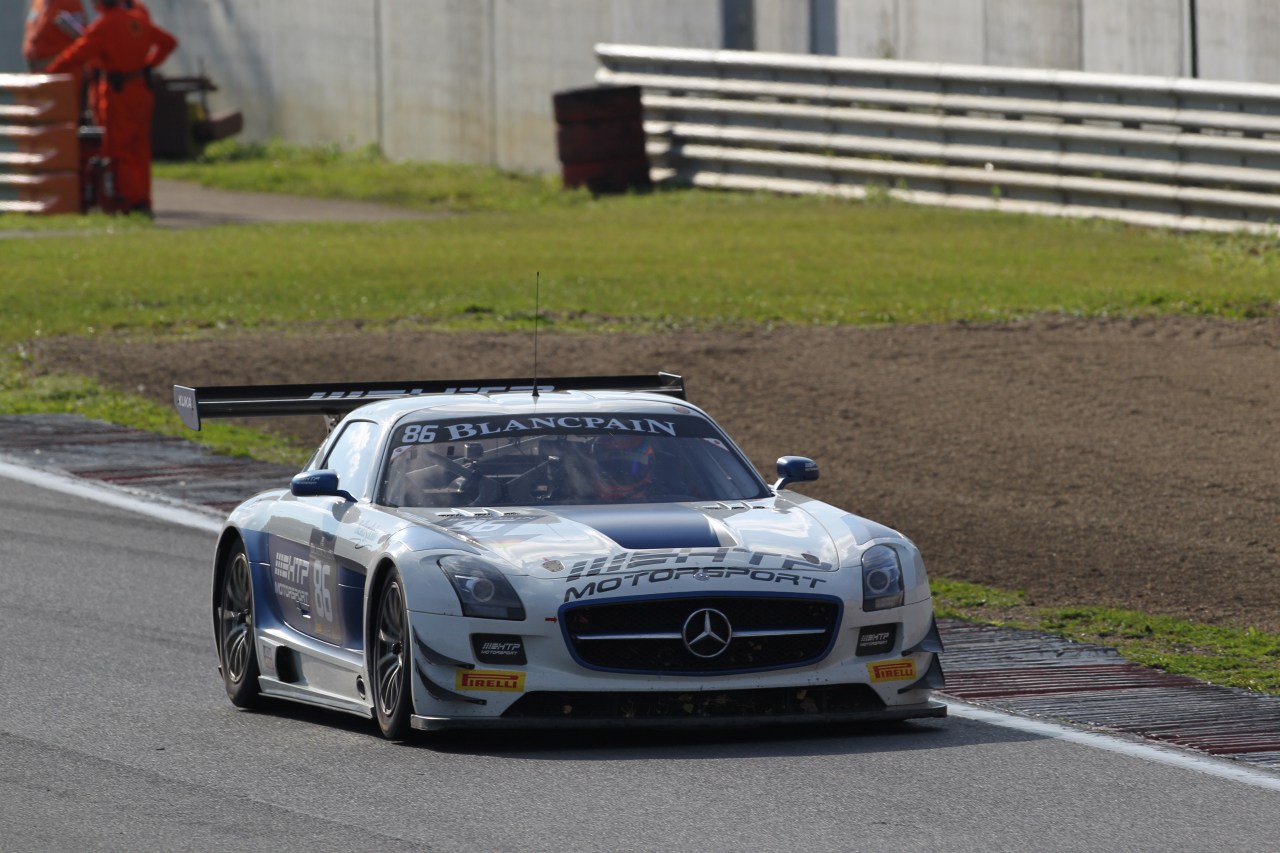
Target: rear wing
(336, 399)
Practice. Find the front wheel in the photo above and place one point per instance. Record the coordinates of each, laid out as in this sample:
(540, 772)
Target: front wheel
(237, 653)
(392, 694)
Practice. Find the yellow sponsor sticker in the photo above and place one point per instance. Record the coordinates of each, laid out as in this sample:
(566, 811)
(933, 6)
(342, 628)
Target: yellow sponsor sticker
(480, 679)
(893, 670)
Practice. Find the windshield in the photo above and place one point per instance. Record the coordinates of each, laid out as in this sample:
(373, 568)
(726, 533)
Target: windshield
(559, 459)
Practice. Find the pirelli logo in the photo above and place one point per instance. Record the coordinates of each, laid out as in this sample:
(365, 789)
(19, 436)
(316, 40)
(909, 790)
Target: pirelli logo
(893, 670)
(479, 679)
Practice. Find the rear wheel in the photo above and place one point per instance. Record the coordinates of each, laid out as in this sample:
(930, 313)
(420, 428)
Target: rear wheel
(237, 652)
(392, 699)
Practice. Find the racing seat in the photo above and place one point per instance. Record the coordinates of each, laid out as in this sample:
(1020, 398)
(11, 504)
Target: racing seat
(420, 477)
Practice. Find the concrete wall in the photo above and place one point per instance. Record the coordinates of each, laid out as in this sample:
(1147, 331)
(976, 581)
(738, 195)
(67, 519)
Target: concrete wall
(782, 26)
(1234, 39)
(1032, 33)
(1129, 36)
(1239, 40)
(12, 14)
(471, 80)
(1136, 37)
(461, 80)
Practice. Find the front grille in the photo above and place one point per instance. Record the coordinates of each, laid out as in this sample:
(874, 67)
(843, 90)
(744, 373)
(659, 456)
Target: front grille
(711, 704)
(650, 635)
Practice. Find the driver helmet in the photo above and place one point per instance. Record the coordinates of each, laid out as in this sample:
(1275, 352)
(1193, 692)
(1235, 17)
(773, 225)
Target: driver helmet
(623, 465)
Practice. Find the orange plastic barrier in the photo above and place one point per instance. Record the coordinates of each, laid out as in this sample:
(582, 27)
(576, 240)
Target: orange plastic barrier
(57, 192)
(38, 99)
(39, 144)
(40, 148)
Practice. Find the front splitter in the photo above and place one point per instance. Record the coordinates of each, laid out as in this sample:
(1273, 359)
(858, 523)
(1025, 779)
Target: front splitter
(885, 715)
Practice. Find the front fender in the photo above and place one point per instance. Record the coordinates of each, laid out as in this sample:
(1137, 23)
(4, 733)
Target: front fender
(416, 552)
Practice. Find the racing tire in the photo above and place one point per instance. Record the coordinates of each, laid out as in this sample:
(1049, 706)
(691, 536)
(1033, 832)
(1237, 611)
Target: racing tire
(237, 647)
(392, 691)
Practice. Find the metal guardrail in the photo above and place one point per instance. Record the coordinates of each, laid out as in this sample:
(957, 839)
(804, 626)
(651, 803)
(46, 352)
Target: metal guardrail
(39, 144)
(1176, 153)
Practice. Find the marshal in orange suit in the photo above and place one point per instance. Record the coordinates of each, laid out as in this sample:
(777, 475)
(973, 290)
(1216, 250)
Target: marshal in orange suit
(52, 25)
(125, 45)
(96, 91)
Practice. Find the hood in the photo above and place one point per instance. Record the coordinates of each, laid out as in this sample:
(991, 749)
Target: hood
(546, 543)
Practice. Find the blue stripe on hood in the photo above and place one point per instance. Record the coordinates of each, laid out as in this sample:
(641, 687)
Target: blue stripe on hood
(639, 528)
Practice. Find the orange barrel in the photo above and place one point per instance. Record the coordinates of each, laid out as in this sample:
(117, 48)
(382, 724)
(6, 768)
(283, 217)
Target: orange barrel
(600, 139)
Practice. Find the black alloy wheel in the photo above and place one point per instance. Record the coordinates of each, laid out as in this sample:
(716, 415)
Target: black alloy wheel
(236, 645)
(392, 699)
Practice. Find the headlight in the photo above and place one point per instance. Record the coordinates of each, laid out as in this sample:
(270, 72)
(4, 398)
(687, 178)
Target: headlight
(482, 590)
(881, 578)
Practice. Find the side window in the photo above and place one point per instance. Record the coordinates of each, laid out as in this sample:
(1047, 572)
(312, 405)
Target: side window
(353, 456)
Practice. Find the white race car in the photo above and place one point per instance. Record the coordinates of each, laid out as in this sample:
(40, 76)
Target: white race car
(589, 551)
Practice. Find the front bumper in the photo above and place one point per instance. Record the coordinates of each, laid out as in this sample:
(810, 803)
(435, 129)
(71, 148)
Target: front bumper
(453, 690)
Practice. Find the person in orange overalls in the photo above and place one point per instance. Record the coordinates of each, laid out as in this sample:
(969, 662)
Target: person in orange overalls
(126, 45)
(96, 83)
(52, 25)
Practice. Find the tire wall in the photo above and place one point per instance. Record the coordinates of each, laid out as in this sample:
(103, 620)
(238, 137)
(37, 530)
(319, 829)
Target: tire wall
(472, 80)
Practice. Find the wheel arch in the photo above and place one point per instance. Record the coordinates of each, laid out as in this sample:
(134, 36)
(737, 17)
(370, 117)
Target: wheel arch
(373, 588)
(228, 539)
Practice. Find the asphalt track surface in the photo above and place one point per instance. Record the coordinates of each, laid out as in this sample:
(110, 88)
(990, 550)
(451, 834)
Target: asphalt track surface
(115, 734)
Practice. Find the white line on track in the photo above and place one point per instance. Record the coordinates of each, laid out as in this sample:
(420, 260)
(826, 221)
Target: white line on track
(1187, 760)
(103, 493)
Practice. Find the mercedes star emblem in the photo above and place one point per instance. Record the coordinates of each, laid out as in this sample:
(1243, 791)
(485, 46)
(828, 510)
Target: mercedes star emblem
(707, 633)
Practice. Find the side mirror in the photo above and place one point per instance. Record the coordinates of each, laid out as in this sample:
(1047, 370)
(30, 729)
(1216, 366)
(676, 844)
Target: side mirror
(322, 484)
(795, 469)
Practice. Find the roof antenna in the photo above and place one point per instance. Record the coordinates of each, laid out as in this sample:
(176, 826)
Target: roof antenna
(537, 311)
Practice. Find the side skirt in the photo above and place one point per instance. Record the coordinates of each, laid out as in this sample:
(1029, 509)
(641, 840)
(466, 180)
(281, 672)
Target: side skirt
(296, 693)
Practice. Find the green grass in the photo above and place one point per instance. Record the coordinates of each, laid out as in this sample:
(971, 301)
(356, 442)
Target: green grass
(21, 394)
(51, 226)
(328, 171)
(682, 258)
(665, 259)
(1234, 657)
